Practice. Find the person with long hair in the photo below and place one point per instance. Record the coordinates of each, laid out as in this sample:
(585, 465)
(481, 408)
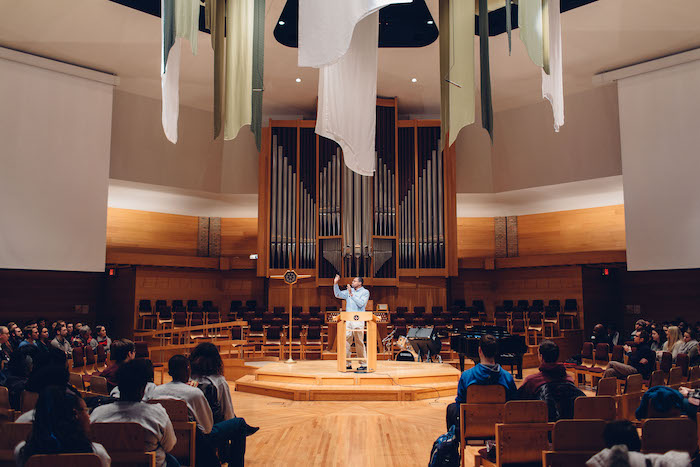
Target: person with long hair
(229, 432)
(674, 342)
(61, 426)
(658, 338)
(44, 340)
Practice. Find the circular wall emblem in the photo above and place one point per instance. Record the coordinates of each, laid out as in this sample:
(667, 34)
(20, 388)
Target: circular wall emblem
(290, 277)
(356, 317)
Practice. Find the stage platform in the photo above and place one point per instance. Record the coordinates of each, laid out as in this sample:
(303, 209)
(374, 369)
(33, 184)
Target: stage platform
(319, 380)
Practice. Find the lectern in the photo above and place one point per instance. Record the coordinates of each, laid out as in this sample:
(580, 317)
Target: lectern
(371, 330)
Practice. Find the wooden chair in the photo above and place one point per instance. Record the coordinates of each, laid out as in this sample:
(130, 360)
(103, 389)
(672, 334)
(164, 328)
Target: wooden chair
(660, 435)
(522, 436)
(311, 342)
(658, 378)
(694, 376)
(28, 401)
(551, 322)
(63, 460)
(675, 377)
(665, 364)
(574, 442)
(6, 412)
(599, 407)
(98, 385)
(607, 387)
(601, 359)
(10, 436)
(483, 410)
(185, 431)
(272, 341)
(78, 360)
(628, 402)
(90, 359)
(125, 442)
(76, 380)
(101, 358)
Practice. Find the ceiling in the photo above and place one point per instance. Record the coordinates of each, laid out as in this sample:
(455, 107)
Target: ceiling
(103, 35)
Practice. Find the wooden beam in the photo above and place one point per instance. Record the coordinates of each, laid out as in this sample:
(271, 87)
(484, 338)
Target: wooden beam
(146, 259)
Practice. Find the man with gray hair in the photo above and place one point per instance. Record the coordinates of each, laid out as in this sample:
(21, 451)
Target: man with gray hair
(5, 349)
(86, 339)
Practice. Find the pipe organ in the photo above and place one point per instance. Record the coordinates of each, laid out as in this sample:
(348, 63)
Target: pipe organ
(329, 220)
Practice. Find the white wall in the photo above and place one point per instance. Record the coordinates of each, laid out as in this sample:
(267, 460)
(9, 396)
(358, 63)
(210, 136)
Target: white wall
(660, 139)
(55, 133)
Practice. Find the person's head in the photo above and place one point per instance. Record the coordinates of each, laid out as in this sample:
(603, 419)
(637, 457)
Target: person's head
(31, 333)
(205, 360)
(689, 335)
(41, 322)
(4, 335)
(132, 377)
(60, 330)
(357, 282)
(44, 336)
(18, 332)
(673, 335)
(85, 333)
(548, 352)
(658, 335)
(641, 337)
(488, 346)
(179, 368)
(69, 328)
(101, 331)
(61, 424)
(639, 325)
(122, 351)
(599, 330)
(622, 432)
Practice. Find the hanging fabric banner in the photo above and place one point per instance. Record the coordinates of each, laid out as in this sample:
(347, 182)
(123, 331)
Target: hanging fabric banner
(552, 82)
(486, 108)
(215, 20)
(239, 66)
(340, 37)
(179, 20)
(456, 67)
(509, 25)
(530, 24)
(258, 69)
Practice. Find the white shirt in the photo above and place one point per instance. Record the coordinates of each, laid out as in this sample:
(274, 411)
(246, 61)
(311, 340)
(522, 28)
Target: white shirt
(146, 393)
(224, 394)
(355, 302)
(97, 448)
(160, 436)
(197, 404)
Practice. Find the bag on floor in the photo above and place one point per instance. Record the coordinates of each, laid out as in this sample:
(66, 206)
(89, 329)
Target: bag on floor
(445, 452)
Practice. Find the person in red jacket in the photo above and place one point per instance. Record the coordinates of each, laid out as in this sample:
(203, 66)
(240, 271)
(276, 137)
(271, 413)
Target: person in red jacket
(550, 371)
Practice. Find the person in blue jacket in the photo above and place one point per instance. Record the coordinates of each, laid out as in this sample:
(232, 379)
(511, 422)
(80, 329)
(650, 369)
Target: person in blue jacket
(486, 372)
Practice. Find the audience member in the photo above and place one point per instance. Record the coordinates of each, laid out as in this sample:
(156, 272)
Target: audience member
(613, 335)
(16, 373)
(60, 340)
(486, 372)
(638, 326)
(623, 445)
(673, 342)
(69, 328)
(150, 385)
(61, 425)
(5, 347)
(85, 338)
(102, 338)
(123, 351)
(44, 341)
(49, 369)
(229, 432)
(689, 346)
(16, 337)
(641, 361)
(132, 378)
(600, 335)
(31, 334)
(658, 338)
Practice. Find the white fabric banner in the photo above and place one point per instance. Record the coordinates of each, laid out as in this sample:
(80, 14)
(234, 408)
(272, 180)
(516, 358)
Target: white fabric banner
(170, 92)
(326, 27)
(347, 98)
(553, 83)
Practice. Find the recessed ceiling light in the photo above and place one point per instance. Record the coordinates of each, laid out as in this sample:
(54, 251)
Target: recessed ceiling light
(431, 22)
(413, 80)
(281, 23)
(298, 80)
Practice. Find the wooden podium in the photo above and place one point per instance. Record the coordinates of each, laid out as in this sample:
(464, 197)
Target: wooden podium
(371, 330)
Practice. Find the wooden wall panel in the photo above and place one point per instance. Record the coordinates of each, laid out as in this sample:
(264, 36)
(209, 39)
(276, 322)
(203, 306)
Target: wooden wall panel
(151, 232)
(239, 236)
(594, 229)
(475, 237)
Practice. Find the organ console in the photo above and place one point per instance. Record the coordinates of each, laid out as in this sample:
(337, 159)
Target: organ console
(330, 220)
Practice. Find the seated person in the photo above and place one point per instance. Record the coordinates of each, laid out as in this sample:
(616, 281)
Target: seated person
(31, 334)
(486, 372)
(690, 347)
(102, 338)
(550, 371)
(642, 360)
(5, 346)
(123, 351)
(132, 377)
(623, 446)
(61, 425)
(48, 369)
(150, 386)
(600, 335)
(85, 338)
(16, 373)
(60, 340)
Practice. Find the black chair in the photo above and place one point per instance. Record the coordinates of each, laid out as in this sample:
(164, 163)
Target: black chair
(177, 303)
(523, 305)
(267, 317)
(315, 311)
(538, 305)
(570, 304)
(279, 310)
(145, 306)
(296, 311)
(555, 306)
(192, 305)
(436, 310)
(461, 304)
(479, 305)
(401, 311)
(508, 305)
(251, 304)
(419, 310)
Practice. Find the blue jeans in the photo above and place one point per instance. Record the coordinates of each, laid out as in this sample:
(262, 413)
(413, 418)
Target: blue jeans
(229, 436)
(170, 460)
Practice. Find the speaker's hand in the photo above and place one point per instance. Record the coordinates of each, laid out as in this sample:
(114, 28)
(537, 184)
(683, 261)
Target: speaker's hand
(336, 279)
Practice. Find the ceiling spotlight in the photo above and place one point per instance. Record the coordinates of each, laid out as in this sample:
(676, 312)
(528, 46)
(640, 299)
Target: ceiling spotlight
(413, 80)
(298, 80)
(281, 23)
(431, 22)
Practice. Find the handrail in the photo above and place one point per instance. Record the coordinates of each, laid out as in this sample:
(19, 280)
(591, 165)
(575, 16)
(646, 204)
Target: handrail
(188, 329)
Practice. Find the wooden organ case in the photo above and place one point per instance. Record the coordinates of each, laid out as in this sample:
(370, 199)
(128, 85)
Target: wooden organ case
(329, 220)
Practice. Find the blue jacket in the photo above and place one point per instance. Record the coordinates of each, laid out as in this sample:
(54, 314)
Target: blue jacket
(484, 375)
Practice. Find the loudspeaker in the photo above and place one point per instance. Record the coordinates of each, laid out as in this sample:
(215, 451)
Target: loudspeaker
(425, 341)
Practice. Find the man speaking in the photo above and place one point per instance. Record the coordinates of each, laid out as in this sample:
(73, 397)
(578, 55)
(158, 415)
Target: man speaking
(355, 297)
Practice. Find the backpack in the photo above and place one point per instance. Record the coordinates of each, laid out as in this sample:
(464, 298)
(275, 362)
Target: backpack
(560, 397)
(445, 452)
